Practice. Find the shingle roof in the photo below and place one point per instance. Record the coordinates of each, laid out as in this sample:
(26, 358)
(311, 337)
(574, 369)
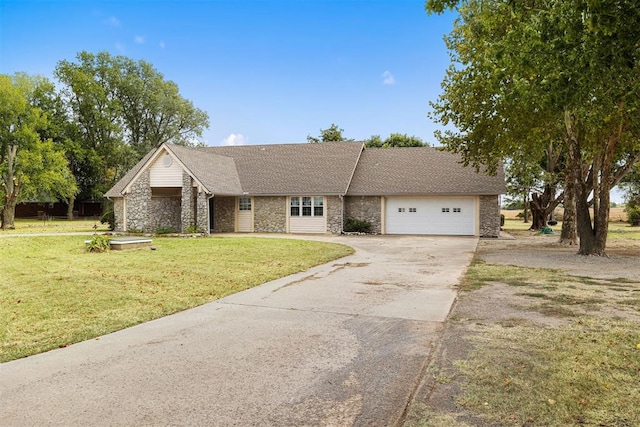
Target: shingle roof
(419, 171)
(116, 190)
(216, 172)
(288, 169)
(326, 169)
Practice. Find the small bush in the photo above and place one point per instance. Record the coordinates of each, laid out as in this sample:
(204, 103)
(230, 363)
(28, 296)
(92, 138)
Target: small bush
(109, 218)
(98, 243)
(193, 229)
(633, 215)
(352, 225)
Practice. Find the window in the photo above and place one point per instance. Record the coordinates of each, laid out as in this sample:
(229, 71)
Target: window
(445, 210)
(295, 206)
(400, 209)
(318, 206)
(244, 203)
(457, 210)
(413, 210)
(311, 206)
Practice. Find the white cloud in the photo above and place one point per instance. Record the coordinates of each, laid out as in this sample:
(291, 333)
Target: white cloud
(388, 79)
(113, 21)
(162, 45)
(138, 39)
(235, 139)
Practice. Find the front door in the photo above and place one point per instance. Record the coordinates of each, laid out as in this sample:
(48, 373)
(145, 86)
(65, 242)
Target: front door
(245, 215)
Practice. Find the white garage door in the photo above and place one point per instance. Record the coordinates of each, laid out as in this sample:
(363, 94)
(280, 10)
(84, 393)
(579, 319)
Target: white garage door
(431, 215)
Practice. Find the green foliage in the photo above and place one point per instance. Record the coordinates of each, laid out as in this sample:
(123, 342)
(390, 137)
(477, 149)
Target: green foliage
(332, 134)
(165, 230)
(354, 225)
(633, 214)
(117, 110)
(98, 243)
(395, 140)
(109, 217)
(193, 229)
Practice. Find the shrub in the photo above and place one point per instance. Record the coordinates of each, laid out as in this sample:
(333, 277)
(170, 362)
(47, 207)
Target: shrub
(352, 225)
(633, 215)
(109, 218)
(98, 243)
(193, 229)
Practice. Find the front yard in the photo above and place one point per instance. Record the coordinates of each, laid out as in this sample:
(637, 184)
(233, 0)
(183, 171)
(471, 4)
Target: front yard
(54, 293)
(540, 336)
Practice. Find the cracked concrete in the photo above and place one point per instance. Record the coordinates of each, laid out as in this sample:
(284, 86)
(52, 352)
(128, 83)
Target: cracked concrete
(322, 347)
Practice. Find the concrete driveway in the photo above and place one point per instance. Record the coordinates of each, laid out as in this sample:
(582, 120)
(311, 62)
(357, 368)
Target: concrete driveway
(341, 344)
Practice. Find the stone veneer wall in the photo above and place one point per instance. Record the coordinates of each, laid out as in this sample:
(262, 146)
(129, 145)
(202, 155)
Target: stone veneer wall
(489, 216)
(224, 209)
(138, 200)
(367, 208)
(334, 214)
(186, 214)
(202, 220)
(164, 212)
(118, 212)
(270, 214)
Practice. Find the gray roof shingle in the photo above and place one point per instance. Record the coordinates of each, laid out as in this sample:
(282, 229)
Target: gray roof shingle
(419, 171)
(327, 169)
(289, 169)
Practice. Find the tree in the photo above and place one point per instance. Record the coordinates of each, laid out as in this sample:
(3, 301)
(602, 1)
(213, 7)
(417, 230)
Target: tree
(528, 73)
(120, 109)
(332, 134)
(395, 140)
(29, 166)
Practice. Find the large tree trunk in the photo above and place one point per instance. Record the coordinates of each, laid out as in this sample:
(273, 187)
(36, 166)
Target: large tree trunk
(592, 238)
(569, 233)
(11, 188)
(70, 203)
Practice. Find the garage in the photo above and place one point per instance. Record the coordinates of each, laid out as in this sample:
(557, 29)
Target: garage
(431, 215)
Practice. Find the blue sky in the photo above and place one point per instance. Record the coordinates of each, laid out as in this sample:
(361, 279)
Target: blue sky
(265, 71)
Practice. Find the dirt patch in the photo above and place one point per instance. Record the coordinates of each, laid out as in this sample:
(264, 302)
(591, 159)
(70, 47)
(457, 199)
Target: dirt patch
(587, 286)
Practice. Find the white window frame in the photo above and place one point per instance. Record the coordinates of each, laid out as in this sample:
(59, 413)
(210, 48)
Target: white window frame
(308, 205)
(244, 204)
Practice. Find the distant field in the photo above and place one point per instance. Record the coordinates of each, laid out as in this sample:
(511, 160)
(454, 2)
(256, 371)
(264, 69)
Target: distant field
(615, 215)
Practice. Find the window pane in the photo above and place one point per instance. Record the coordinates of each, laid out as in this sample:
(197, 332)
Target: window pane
(295, 206)
(318, 206)
(244, 203)
(306, 201)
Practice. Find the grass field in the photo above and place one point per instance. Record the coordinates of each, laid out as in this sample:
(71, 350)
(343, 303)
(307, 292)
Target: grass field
(54, 293)
(56, 225)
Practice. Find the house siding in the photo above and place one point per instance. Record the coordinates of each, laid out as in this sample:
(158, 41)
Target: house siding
(367, 208)
(334, 214)
(489, 216)
(270, 214)
(223, 214)
(137, 204)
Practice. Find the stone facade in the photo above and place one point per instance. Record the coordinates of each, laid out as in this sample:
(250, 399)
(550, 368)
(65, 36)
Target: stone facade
(368, 208)
(270, 214)
(137, 204)
(186, 214)
(224, 209)
(489, 216)
(164, 212)
(118, 212)
(333, 212)
(202, 213)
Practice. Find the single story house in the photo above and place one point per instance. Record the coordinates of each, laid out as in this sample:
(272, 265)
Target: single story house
(307, 188)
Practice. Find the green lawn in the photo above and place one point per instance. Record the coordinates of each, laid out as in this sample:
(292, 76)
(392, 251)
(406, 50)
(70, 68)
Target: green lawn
(56, 225)
(54, 293)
